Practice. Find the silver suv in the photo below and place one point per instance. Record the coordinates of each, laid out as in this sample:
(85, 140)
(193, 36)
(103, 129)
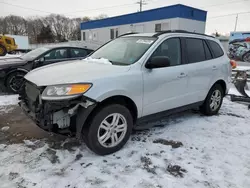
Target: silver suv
(131, 80)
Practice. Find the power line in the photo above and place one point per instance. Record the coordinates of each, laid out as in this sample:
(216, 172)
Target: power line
(27, 8)
(232, 14)
(109, 7)
(230, 2)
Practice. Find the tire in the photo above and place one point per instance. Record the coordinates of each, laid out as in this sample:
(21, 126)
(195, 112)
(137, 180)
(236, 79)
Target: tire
(207, 108)
(246, 57)
(14, 81)
(93, 132)
(3, 50)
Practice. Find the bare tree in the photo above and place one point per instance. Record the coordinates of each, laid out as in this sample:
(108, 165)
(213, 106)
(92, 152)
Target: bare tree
(101, 16)
(15, 25)
(57, 26)
(34, 27)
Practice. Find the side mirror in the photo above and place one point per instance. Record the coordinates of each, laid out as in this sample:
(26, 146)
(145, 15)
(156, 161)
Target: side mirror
(158, 62)
(42, 59)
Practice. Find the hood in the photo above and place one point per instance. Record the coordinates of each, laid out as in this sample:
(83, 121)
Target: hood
(73, 72)
(7, 62)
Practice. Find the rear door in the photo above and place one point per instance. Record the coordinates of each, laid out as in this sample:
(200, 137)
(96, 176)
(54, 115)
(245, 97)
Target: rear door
(200, 69)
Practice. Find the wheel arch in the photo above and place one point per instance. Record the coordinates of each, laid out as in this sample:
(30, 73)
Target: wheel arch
(13, 71)
(123, 100)
(223, 84)
(86, 116)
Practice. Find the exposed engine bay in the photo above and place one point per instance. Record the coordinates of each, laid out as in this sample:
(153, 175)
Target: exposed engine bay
(54, 116)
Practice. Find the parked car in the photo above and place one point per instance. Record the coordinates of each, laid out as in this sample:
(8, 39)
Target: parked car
(240, 50)
(129, 81)
(12, 70)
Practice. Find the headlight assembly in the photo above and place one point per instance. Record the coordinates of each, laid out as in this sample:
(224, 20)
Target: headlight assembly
(66, 91)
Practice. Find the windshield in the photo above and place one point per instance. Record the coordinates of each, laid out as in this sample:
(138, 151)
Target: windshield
(124, 50)
(34, 54)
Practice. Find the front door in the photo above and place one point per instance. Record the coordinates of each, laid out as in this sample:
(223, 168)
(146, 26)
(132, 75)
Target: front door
(53, 56)
(165, 88)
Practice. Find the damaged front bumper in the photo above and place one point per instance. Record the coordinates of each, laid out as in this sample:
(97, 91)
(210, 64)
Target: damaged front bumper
(65, 117)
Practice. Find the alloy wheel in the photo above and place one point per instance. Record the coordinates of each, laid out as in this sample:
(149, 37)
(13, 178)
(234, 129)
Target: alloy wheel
(112, 130)
(215, 101)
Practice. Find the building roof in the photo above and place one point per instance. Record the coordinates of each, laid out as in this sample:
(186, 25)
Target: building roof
(174, 11)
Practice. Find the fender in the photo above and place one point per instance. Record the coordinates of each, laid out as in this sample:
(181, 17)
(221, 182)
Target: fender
(14, 70)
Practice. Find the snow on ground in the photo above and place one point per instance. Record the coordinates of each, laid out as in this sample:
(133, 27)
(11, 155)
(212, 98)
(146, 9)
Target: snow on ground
(234, 91)
(209, 152)
(6, 101)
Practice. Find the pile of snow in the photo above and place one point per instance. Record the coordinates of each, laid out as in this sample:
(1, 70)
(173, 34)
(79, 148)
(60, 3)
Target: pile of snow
(6, 103)
(187, 150)
(101, 60)
(234, 91)
(7, 100)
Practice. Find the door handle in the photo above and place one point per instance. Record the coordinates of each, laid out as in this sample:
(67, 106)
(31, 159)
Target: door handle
(215, 68)
(182, 75)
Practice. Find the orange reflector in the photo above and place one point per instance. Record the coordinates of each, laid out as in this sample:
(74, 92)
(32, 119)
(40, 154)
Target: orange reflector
(79, 88)
(233, 64)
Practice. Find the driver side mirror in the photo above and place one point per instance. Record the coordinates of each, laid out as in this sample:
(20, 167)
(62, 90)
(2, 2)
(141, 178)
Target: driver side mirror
(158, 62)
(42, 59)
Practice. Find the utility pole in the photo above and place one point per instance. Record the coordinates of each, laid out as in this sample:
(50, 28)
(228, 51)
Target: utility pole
(236, 22)
(141, 3)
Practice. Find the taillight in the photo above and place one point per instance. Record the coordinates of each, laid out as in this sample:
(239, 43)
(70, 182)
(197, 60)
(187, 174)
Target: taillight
(233, 64)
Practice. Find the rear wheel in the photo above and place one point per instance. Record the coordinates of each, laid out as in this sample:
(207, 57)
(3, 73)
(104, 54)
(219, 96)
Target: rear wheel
(3, 50)
(14, 81)
(109, 129)
(213, 102)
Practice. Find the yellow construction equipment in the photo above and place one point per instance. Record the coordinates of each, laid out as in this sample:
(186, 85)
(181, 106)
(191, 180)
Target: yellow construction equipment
(7, 45)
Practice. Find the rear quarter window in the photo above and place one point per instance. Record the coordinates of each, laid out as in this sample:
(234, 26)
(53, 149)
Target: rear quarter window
(216, 49)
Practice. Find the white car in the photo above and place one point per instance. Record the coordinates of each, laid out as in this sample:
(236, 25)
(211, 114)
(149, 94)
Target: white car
(131, 80)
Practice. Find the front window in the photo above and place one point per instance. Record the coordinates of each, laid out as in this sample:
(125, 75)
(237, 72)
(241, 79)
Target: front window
(125, 50)
(34, 54)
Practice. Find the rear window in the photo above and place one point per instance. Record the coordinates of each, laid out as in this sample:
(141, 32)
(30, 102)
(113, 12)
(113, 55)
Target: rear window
(216, 49)
(195, 50)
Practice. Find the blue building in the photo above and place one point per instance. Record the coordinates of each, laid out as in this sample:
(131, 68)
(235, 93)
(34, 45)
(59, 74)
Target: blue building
(165, 18)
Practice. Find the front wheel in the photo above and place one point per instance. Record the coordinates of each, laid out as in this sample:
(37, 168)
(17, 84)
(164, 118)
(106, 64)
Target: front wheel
(14, 81)
(109, 129)
(213, 102)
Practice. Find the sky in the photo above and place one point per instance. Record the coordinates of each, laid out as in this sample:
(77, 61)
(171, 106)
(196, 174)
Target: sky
(81, 8)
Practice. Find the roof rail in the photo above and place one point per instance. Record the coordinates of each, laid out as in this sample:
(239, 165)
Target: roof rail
(127, 34)
(180, 31)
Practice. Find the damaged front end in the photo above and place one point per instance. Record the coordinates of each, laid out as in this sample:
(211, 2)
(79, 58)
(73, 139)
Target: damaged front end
(65, 117)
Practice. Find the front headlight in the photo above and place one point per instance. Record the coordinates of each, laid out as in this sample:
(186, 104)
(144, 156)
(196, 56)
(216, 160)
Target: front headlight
(65, 91)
